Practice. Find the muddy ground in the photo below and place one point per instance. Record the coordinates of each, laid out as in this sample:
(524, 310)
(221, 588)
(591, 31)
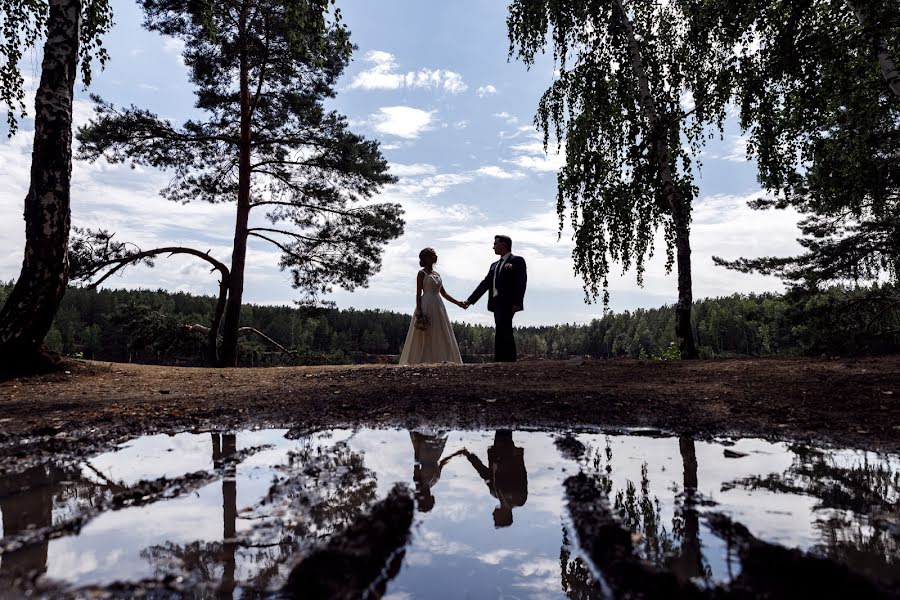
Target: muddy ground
(847, 402)
(90, 406)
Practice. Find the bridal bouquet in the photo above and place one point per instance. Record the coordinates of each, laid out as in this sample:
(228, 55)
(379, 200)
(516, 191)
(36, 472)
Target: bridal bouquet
(422, 321)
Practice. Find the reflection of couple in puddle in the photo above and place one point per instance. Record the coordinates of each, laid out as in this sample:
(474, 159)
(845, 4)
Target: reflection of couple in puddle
(504, 474)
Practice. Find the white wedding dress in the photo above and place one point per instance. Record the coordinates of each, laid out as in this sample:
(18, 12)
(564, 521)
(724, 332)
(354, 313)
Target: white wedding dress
(437, 343)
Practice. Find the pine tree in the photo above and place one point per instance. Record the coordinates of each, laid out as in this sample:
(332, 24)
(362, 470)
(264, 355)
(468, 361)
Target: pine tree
(263, 69)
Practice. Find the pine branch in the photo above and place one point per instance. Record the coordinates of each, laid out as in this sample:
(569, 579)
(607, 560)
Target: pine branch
(289, 252)
(293, 235)
(355, 214)
(121, 263)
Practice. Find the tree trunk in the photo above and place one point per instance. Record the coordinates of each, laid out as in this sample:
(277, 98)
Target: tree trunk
(679, 209)
(28, 313)
(26, 503)
(688, 562)
(232, 322)
(229, 518)
(212, 338)
(886, 62)
(684, 333)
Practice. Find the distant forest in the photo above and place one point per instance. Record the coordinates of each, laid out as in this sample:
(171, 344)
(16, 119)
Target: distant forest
(155, 327)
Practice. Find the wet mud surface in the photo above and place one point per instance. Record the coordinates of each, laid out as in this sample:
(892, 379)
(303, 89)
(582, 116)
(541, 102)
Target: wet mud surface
(850, 402)
(706, 479)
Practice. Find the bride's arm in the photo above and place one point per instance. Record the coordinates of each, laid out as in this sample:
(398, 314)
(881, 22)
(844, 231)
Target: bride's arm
(449, 298)
(420, 281)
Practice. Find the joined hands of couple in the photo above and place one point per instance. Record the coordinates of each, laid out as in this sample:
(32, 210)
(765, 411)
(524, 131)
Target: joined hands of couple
(465, 304)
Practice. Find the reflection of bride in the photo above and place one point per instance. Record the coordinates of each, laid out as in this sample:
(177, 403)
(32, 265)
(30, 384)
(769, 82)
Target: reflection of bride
(427, 450)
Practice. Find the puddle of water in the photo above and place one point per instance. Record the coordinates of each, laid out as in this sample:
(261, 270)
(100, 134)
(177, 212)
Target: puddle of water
(490, 518)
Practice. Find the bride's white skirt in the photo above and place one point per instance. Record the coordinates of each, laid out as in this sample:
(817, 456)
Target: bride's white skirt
(435, 344)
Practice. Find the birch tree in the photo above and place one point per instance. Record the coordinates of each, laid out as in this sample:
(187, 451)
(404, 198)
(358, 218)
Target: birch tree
(72, 32)
(636, 92)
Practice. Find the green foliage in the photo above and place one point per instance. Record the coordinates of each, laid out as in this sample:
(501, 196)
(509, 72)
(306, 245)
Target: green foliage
(671, 353)
(160, 333)
(618, 103)
(22, 24)
(823, 124)
(842, 321)
(153, 327)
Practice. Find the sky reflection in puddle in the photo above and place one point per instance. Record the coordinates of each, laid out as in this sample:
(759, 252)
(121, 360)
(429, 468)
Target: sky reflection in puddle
(490, 515)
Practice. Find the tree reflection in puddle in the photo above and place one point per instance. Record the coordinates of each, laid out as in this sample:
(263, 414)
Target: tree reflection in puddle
(857, 504)
(679, 548)
(42, 497)
(489, 508)
(314, 493)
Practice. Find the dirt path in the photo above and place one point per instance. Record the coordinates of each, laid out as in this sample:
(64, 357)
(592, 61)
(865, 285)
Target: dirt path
(852, 402)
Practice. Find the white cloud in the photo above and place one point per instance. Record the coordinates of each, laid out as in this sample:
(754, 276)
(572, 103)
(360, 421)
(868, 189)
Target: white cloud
(499, 172)
(531, 157)
(449, 81)
(527, 131)
(433, 185)
(414, 169)
(511, 119)
(495, 557)
(172, 44)
(447, 217)
(461, 124)
(486, 90)
(175, 46)
(402, 121)
(529, 148)
(540, 164)
(382, 75)
(738, 150)
(723, 225)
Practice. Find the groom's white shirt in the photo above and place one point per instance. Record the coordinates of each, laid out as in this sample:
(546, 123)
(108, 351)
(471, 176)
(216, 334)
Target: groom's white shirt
(500, 264)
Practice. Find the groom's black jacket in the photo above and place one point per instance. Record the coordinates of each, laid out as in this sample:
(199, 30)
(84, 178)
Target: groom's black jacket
(511, 283)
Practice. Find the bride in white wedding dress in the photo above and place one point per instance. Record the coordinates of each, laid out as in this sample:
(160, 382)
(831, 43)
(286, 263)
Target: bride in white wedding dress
(430, 338)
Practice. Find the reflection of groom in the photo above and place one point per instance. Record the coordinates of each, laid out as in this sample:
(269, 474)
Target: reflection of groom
(505, 475)
(506, 281)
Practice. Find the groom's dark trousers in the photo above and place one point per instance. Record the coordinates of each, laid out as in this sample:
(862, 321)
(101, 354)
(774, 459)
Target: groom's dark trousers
(511, 280)
(504, 341)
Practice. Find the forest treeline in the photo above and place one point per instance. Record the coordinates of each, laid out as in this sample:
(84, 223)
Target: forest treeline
(155, 327)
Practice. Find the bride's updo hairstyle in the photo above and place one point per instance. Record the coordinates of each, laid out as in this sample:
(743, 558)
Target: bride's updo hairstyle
(427, 252)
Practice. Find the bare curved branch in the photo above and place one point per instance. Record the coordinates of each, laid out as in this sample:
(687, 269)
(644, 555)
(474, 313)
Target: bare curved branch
(123, 262)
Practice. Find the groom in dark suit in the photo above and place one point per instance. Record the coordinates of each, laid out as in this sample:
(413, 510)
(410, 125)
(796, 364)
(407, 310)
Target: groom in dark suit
(505, 284)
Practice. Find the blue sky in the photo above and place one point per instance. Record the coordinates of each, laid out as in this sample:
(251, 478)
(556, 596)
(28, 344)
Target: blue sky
(431, 81)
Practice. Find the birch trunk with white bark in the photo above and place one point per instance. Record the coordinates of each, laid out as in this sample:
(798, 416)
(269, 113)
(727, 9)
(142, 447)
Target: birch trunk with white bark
(679, 209)
(28, 313)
